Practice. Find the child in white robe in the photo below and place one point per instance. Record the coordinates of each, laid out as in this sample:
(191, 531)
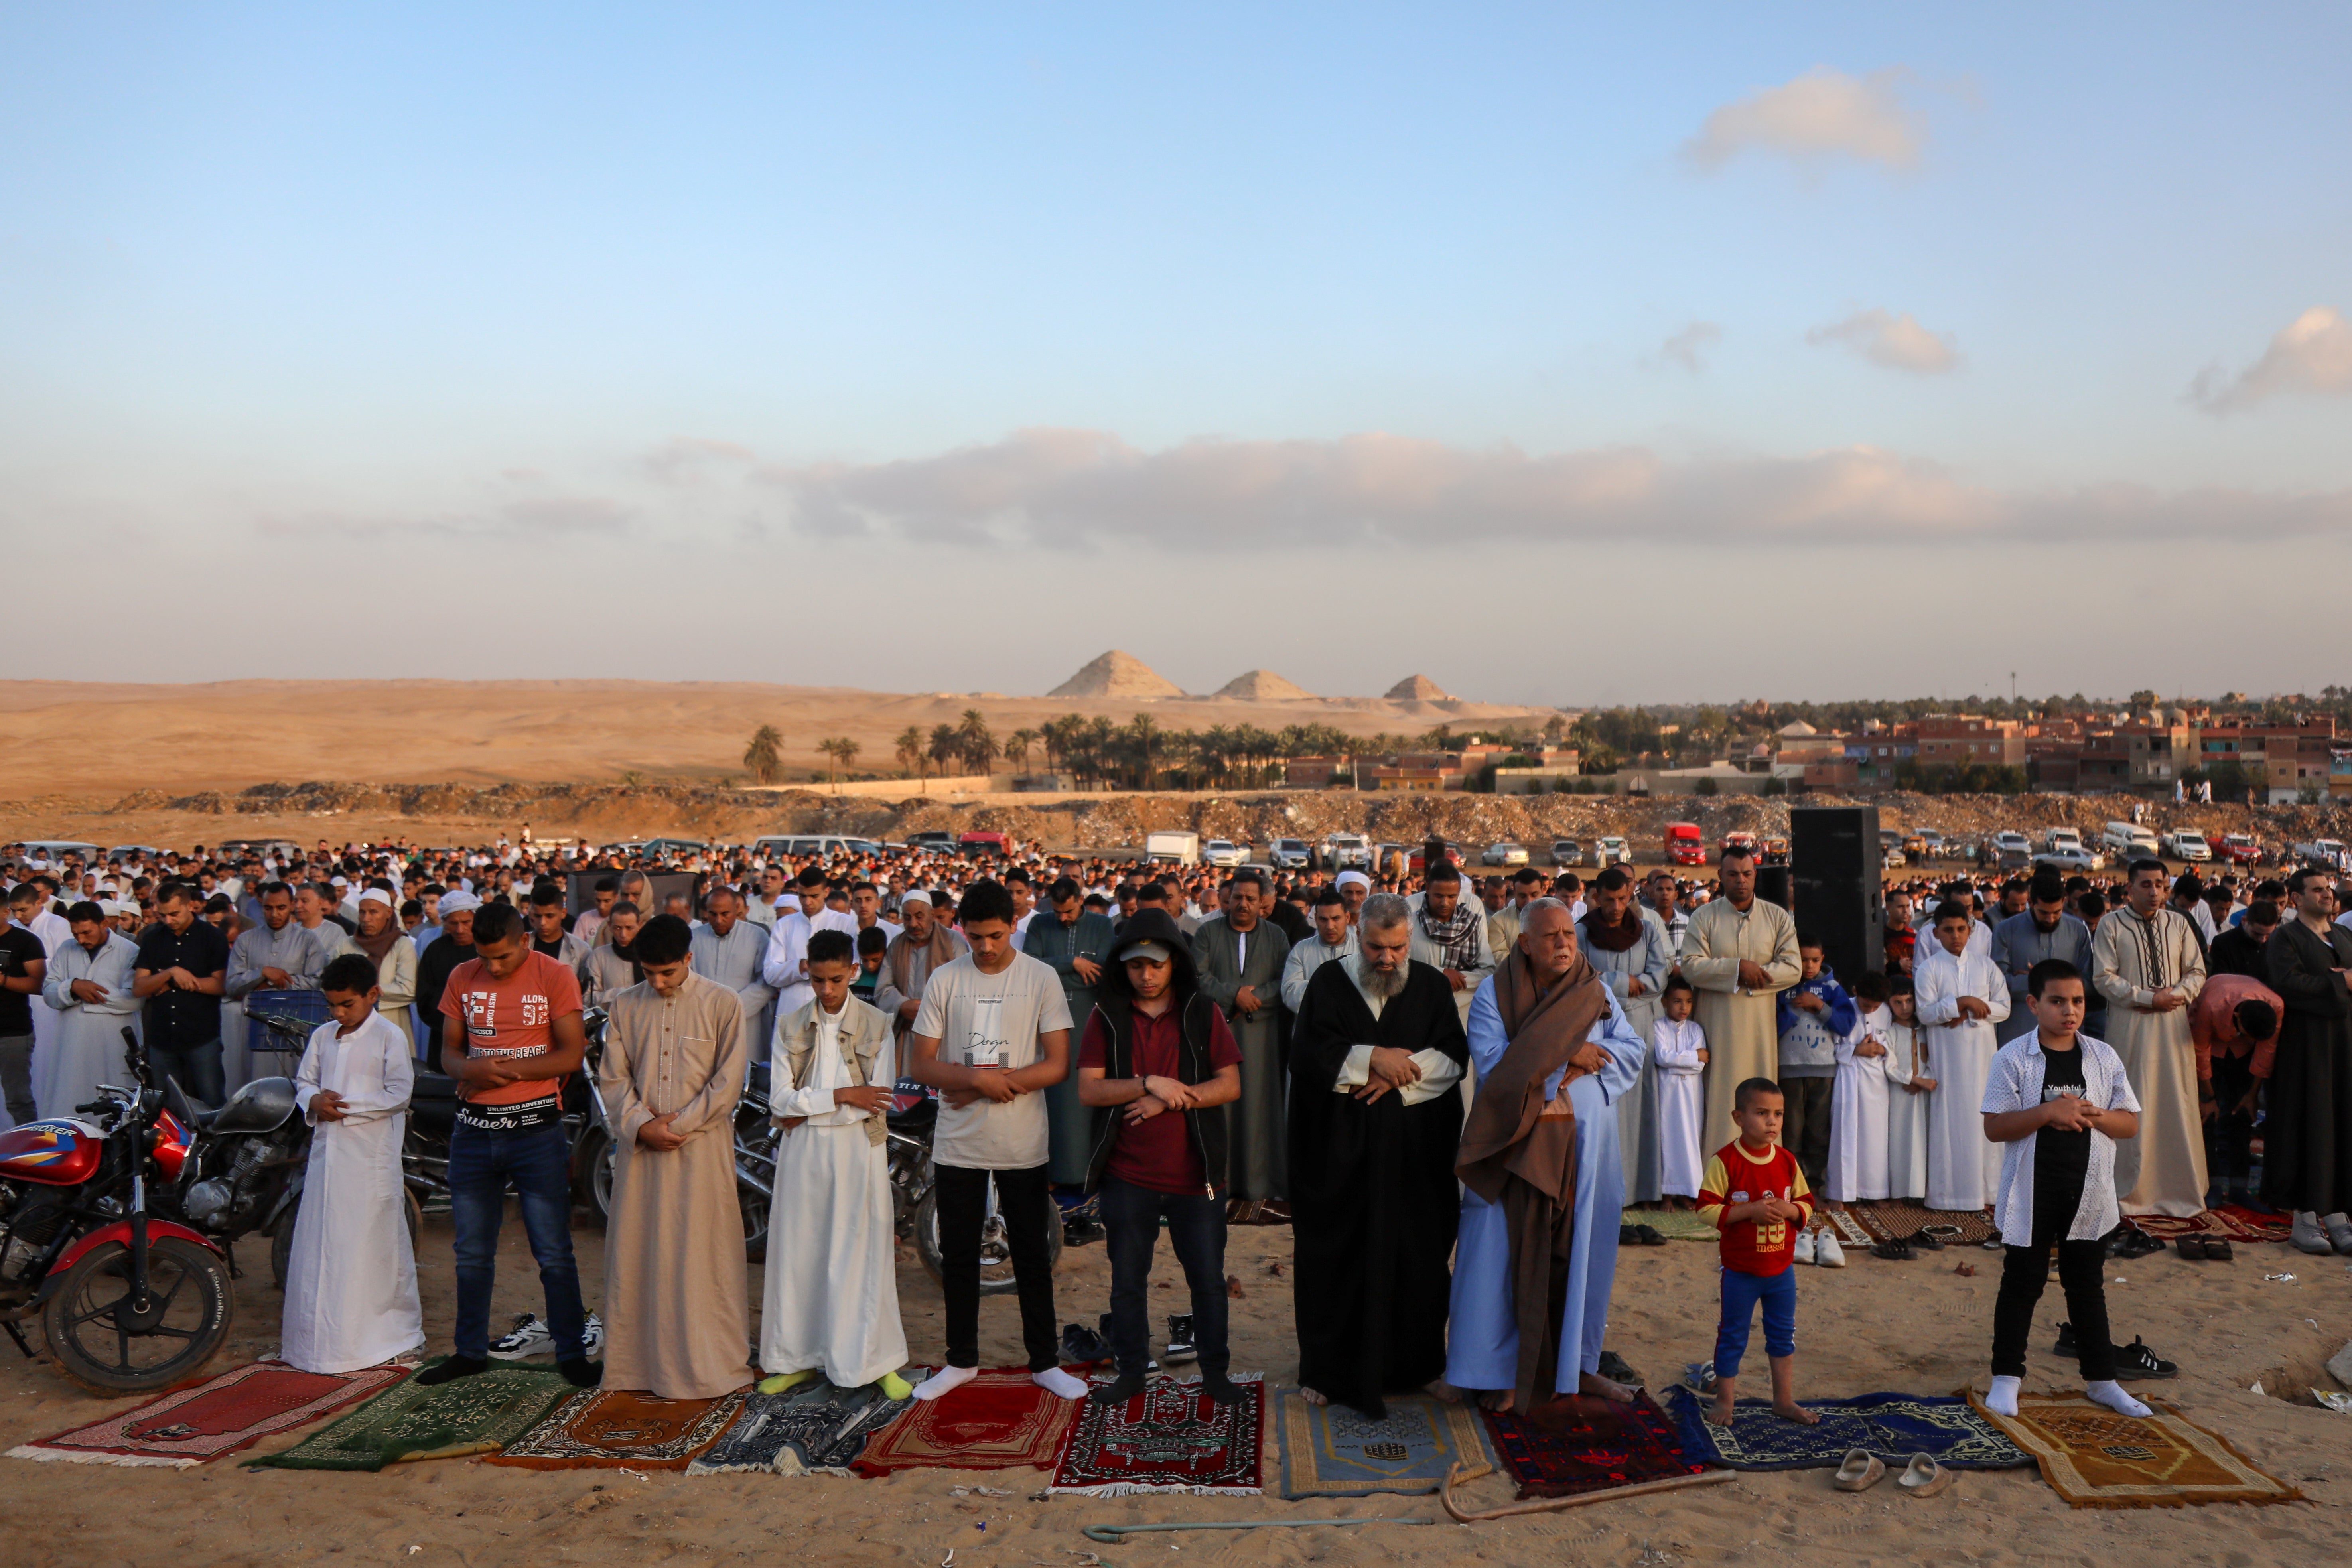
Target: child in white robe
(351, 1284)
(1857, 1162)
(1678, 1053)
(1962, 994)
(1910, 1078)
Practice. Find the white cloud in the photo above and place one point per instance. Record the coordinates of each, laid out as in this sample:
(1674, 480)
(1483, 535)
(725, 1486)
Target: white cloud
(1822, 115)
(1690, 347)
(1898, 342)
(2311, 354)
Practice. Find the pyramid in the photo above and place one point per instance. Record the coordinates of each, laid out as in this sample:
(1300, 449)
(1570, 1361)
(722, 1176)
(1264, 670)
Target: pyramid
(1263, 686)
(1118, 674)
(1418, 688)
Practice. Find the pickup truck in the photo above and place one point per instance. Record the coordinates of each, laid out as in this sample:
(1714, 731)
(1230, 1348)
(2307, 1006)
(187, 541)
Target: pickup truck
(2321, 852)
(2186, 844)
(1347, 852)
(2241, 849)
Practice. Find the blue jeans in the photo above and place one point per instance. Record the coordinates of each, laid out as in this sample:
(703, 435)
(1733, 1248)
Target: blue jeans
(1741, 1292)
(1196, 1234)
(198, 1068)
(538, 1163)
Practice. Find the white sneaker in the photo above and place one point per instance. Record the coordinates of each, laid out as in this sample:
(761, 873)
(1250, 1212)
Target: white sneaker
(1827, 1252)
(527, 1338)
(592, 1339)
(1804, 1250)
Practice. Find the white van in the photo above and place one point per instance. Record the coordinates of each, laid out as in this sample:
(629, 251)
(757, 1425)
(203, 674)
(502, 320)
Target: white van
(2126, 840)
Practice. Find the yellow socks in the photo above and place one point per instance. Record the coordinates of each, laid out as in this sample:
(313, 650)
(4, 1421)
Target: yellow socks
(895, 1387)
(785, 1380)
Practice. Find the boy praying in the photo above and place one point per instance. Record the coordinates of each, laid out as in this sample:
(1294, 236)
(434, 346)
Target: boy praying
(1754, 1192)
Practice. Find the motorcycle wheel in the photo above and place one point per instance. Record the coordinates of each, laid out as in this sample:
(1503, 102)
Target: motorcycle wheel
(755, 1221)
(594, 1165)
(194, 1303)
(282, 1241)
(995, 1244)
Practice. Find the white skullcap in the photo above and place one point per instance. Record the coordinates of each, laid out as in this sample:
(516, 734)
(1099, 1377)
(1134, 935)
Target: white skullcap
(378, 895)
(1356, 878)
(458, 902)
(913, 896)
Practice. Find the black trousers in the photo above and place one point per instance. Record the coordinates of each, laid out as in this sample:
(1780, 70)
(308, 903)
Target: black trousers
(1196, 1233)
(1805, 1131)
(2228, 1136)
(2025, 1271)
(1025, 1199)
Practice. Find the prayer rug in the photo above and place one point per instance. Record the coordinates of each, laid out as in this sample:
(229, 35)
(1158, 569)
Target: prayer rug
(1674, 1225)
(814, 1429)
(998, 1421)
(1892, 1426)
(602, 1429)
(1849, 1229)
(2093, 1458)
(1589, 1446)
(1330, 1450)
(1898, 1219)
(477, 1414)
(221, 1415)
(1170, 1438)
(2228, 1222)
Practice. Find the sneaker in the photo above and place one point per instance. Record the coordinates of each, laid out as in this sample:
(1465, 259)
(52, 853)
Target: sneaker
(2135, 1361)
(2067, 1346)
(1081, 1346)
(1804, 1247)
(1827, 1252)
(1102, 1327)
(592, 1338)
(1179, 1340)
(527, 1338)
(1698, 1376)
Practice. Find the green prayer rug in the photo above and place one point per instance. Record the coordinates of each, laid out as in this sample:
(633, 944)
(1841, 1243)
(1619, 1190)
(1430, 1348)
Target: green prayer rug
(477, 1414)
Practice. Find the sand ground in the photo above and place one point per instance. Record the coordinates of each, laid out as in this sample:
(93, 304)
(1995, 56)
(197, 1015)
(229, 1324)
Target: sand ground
(1875, 1325)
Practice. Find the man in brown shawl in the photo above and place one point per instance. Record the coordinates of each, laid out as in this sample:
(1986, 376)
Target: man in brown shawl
(1540, 1157)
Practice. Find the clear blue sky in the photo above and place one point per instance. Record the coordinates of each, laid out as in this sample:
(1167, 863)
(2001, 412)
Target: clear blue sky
(1822, 353)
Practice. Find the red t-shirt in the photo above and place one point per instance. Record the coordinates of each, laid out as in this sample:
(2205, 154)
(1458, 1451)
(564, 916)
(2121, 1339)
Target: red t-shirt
(1738, 1175)
(510, 1017)
(1158, 1156)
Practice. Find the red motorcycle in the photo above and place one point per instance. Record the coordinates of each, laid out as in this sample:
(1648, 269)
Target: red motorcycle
(129, 1303)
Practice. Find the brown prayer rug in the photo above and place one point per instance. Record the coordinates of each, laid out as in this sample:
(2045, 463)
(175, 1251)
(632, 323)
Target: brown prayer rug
(2229, 1223)
(2095, 1458)
(608, 1427)
(1899, 1220)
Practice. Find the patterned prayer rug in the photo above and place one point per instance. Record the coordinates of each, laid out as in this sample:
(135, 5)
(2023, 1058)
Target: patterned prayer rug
(1170, 1438)
(2096, 1459)
(1892, 1426)
(602, 1429)
(1589, 1446)
(1330, 1450)
(233, 1411)
(1674, 1225)
(477, 1414)
(2230, 1222)
(1849, 1229)
(998, 1421)
(1898, 1219)
(814, 1429)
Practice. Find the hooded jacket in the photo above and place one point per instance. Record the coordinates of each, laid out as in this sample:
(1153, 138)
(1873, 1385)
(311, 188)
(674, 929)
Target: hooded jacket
(1115, 1001)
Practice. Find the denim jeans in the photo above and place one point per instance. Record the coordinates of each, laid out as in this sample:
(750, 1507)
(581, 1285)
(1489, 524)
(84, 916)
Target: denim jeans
(198, 1068)
(538, 1163)
(1196, 1233)
(1023, 1198)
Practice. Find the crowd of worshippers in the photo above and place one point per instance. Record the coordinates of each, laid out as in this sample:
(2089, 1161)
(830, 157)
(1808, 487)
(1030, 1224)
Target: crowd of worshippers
(1451, 1090)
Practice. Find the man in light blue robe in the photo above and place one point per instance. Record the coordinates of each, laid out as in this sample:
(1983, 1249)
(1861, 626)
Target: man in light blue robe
(1483, 1337)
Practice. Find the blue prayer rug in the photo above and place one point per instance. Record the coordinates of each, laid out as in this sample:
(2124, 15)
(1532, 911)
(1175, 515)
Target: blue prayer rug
(1893, 1426)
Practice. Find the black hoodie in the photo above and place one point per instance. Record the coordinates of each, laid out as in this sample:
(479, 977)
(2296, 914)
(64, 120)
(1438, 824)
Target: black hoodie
(1115, 1001)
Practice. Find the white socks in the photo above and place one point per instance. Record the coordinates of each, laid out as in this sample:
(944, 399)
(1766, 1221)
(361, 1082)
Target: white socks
(2002, 1399)
(2111, 1394)
(1053, 1380)
(945, 1381)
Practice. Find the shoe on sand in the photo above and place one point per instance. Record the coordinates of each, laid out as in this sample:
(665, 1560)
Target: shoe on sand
(1804, 1247)
(1861, 1471)
(1827, 1253)
(1925, 1478)
(2307, 1236)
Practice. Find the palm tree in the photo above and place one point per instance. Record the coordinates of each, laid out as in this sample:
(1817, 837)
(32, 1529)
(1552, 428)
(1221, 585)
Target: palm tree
(910, 750)
(1016, 748)
(1143, 732)
(974, 742)
(839, 751)
(765, 755)
(946, 745)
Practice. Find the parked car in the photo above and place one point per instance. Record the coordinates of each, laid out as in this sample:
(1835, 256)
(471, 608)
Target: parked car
(1455, 854)
(2014, 849)
(1504, 853)
(1347, 852)
(1932, 845)
(2186, 844)
(933, 840)
(2062, 838)
(1289, 855)
(2125, 840)
(2241, 850)
(1567, 852)
(2321, 852)
(2073, 857)
(1685, 845)
(1613, 850)
(1224, 855)
(981, 842)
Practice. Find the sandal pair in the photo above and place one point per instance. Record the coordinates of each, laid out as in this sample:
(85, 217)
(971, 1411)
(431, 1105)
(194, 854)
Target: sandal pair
(1923, 1476)
(2205, 1249)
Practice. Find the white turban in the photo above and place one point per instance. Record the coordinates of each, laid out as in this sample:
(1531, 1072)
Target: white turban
(1357, 879)
(458, 902)
(378, 895)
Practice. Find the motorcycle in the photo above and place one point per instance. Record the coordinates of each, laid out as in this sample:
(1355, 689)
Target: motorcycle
(129, 1300)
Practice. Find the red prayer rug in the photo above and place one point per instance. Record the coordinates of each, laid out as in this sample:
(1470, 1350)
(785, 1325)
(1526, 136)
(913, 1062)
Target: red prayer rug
(1170, 1438)
(221, 1415)
(2230, 1222)
(998, 1421)
(1582, 1445)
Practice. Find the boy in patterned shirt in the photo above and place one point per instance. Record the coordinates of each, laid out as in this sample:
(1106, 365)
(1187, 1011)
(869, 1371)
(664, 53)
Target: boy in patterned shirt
(1756, 1194)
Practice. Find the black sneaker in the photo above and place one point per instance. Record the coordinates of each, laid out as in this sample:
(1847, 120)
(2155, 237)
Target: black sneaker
(2067, 1346)
(1179, 1340)
(2135, 1361)
(1081, 1346)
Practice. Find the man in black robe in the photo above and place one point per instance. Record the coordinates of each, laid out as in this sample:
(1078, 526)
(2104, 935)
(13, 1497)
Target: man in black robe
(2307, 1131)
(1377, 1057)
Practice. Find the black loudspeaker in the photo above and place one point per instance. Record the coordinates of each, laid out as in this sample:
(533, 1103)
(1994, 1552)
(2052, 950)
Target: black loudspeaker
(1835, 892)
(1773, 884)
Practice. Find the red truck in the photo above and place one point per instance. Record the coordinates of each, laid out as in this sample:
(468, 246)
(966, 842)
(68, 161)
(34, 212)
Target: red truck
(1685, 845)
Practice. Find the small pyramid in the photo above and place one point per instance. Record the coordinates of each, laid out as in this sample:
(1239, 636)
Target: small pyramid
(1118, 674)
(1418, 688)
(1263, 686)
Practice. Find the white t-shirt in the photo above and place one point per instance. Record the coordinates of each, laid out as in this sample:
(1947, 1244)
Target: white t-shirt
(991, 1020)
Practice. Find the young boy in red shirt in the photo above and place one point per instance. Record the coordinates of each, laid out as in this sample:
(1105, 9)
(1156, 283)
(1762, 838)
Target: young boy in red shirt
(1756, 1194)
